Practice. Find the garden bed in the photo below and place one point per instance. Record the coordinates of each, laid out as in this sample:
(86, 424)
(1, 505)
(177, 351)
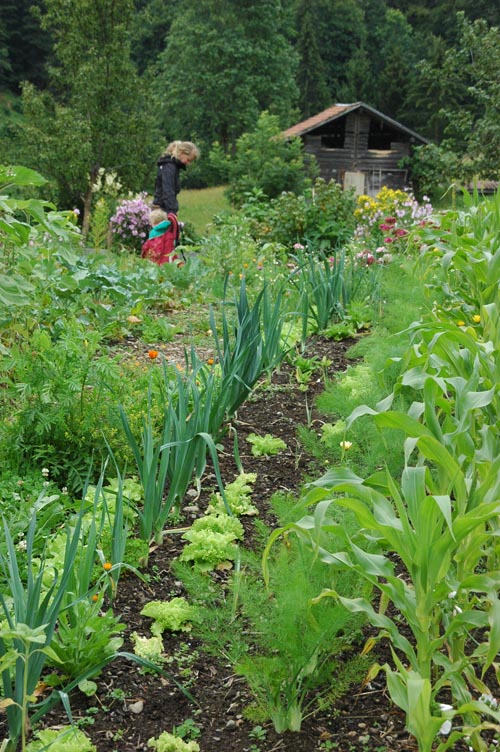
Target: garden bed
(130, 707)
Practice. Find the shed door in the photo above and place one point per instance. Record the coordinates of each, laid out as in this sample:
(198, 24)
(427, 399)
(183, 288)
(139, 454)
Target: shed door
(355, 180)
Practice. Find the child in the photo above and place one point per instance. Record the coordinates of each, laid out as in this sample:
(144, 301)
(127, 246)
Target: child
(160, 245)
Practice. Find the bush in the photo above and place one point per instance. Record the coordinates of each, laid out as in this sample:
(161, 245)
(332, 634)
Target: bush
(321, 219)
(433, 170)
(265, 159)
(131, 222)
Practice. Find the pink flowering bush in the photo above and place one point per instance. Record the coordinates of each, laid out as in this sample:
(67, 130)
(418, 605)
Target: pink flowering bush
(384, 222)
(130, 222)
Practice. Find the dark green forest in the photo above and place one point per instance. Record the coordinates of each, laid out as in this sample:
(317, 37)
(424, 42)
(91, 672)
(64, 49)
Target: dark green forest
(103, 84)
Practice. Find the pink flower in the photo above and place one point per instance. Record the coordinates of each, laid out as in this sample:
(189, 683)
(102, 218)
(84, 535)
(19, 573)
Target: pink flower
(388, 240)
(401, 232)
(390, 220)
(366, 257)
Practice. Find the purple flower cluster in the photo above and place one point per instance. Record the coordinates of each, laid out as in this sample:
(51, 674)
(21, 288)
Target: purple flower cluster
(131, 221)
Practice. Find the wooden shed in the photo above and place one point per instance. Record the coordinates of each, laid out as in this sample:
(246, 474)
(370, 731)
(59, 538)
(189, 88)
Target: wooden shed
(358, 146)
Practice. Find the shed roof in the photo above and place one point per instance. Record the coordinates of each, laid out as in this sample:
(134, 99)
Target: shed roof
(339, 110)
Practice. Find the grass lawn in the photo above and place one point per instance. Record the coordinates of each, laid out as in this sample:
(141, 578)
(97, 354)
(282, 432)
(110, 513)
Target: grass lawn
(198, 206)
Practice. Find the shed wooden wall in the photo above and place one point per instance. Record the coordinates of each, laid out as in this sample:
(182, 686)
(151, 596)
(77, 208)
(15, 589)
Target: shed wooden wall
(379, 166)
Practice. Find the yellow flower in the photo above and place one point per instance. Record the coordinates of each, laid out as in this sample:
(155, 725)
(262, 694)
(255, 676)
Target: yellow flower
(460, 323)
(346, 445)
(476, 319)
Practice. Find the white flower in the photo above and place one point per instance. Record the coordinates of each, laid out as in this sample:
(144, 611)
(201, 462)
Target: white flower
(489, 700)
(446, 725)
(445, 728)
(45, 472)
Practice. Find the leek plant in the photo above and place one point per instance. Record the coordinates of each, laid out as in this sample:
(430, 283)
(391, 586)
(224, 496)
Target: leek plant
(322, 294)
(168, 463)
(31, 610)
(251, 344)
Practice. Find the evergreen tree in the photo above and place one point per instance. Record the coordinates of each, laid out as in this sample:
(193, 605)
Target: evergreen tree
(398, 67)
(438, 17)
(225, 62)
(438, 84)
(95, 115)
(5, 66)
(24, 46)
(341, 33)
(313, 91)
(478, 130)
(150, 31)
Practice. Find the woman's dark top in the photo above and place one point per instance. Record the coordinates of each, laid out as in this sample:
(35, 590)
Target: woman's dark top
(167, 184)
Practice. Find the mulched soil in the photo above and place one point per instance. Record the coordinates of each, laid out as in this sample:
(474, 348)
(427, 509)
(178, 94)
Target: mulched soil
(364, 720)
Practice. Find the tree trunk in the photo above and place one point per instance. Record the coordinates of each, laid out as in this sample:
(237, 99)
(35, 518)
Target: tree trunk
(87, 205)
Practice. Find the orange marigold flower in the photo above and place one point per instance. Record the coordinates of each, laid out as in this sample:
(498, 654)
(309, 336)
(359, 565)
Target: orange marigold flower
(153, 354)
(210, 361)
(95, 598)
(107, 566)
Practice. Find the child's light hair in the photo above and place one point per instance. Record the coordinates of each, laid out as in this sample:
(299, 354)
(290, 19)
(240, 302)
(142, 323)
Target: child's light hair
(156, 216)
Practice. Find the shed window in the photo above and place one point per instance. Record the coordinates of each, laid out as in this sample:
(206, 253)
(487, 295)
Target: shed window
(381, 135)
(332, 134)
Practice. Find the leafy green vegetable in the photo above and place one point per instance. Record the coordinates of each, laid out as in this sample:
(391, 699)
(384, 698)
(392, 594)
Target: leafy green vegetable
(265, 445)
(175, 615)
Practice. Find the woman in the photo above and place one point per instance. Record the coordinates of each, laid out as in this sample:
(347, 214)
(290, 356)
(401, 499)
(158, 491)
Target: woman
(177, 156)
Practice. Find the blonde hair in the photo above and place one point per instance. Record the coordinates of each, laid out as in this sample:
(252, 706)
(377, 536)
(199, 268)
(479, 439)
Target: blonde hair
(185, 148)
(156, 216)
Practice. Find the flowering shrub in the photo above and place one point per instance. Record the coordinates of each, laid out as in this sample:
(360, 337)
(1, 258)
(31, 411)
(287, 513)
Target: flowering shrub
(383, 222)
(131, 222)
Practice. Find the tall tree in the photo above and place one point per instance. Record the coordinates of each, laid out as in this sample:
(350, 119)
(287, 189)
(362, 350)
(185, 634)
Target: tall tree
(438, 85)
(95, 115)
(24, 45)
(397, 70)
(438, 17)
(225, 62)
(341, 32)
(481, 134)
(314, 95)
(150, 31)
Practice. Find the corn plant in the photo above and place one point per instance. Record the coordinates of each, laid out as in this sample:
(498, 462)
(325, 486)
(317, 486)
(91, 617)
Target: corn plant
(465, 245)
(440, 539)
